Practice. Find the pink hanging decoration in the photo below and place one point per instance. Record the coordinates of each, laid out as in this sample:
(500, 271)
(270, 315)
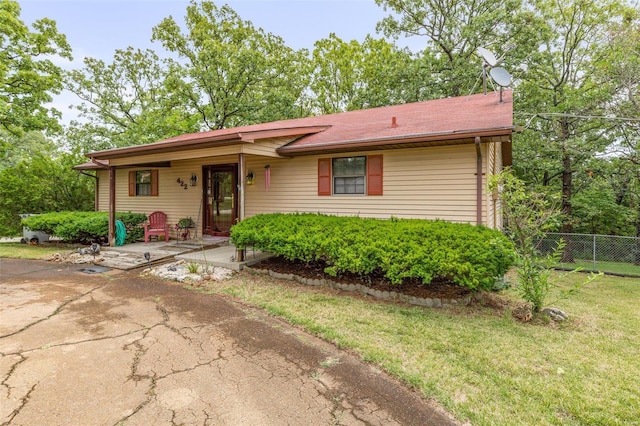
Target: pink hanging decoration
(267, 177)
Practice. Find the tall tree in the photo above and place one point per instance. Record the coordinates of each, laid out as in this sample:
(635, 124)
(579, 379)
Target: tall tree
(125, 102)
(28, 75)
(37, 178)
(621, 71)
(353, 75)
(454, 29)
(230, 73)
(562, 97)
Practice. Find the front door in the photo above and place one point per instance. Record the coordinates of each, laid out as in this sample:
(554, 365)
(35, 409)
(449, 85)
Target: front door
(220, 198)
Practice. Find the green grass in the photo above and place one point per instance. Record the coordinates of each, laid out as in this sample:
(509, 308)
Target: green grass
(479, 363)
(27, 251)
(611, 267)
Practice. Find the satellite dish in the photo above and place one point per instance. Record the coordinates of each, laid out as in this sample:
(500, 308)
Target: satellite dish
(488, 56)
(500, 76)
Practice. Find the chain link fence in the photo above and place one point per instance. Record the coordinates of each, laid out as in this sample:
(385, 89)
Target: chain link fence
(601, 253)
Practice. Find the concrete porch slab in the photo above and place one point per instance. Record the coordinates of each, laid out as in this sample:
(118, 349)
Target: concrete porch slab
(224, 257)
(131, 256)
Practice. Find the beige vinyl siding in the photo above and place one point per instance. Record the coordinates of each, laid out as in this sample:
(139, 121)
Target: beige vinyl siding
(266, 147)
(427, 183)
(493, 197)
(489, 204)
(172, 198)
(103, 190)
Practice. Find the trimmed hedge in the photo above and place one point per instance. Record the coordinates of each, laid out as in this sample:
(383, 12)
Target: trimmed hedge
(471, 256)
(85, 227)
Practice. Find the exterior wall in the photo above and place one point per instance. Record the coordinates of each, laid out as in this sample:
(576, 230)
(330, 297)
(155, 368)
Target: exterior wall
(426, 183)
(172, 198)
(494, 205)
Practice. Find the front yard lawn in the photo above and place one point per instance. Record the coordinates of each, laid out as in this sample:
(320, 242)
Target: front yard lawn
(35, 252)
(480, 363)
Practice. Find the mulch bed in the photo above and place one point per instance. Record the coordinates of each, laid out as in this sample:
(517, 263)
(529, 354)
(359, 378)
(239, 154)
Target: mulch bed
(436, 289)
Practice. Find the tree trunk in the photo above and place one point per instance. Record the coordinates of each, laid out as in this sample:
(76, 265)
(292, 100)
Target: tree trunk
(637, 256)
(567, 181)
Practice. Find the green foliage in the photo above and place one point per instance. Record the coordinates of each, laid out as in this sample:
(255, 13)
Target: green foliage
(28, 75)
(529, 215)
(125, 102)
(231, 73)
(185, 222)
(471, 256)
(352, 75)
(193, 267)
(85, 227)
(453, 31)
(596, 211)
(39, 181)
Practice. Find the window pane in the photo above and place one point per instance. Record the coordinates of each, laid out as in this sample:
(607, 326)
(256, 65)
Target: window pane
(143, 176)
(348, 185)
(143, 182)
(143, 189)
(349, 166)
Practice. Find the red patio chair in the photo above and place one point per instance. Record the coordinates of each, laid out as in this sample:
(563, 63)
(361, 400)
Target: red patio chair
(157, 226)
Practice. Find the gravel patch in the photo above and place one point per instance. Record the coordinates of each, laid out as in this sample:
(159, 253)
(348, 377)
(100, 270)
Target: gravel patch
(181, 271)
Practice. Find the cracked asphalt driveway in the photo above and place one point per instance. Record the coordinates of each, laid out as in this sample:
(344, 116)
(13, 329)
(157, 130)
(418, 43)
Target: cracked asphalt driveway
(118, 349)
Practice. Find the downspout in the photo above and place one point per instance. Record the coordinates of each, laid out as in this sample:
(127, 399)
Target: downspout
(112, 206)
(478, 181)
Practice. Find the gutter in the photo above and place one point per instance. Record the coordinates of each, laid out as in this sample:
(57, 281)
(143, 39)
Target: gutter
(396, 141)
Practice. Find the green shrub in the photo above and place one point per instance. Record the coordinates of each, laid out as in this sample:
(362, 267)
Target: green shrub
(471, 256)
(85, 227)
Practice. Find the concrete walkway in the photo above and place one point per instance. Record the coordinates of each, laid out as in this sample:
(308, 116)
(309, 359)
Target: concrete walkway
(224, 257)
(212, 251)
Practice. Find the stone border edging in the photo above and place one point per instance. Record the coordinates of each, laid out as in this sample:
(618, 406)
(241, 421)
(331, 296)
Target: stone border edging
(379, 294)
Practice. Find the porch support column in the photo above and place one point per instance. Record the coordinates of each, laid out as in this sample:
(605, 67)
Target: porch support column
(478, 181)
(112, 206)
(242, 172)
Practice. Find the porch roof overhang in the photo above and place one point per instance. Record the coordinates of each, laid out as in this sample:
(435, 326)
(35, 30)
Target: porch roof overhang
(92, 165)
(205, 140)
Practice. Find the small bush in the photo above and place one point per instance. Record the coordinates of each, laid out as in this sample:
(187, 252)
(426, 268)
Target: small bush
(85, 227)
(471, 256)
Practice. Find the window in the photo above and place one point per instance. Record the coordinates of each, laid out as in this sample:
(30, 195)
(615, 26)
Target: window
(350, 175)
(143, 183)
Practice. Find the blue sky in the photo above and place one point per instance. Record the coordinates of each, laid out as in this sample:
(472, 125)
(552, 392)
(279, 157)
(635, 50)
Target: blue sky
(96, 28)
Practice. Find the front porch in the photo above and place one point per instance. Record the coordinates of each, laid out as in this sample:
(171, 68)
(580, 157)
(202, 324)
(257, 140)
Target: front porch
(212, 251)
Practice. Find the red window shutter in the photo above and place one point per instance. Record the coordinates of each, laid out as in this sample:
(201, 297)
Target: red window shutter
(154, 183)
(132, 184)
(374, 175)
(324, 176)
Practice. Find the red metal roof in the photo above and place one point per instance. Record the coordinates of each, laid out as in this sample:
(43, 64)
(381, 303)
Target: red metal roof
(442, 119)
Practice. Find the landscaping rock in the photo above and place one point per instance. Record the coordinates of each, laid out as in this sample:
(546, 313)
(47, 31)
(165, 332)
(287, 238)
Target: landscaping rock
(555, 314)
(179, 271)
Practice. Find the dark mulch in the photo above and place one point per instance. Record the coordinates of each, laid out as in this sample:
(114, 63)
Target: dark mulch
(436, 289)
